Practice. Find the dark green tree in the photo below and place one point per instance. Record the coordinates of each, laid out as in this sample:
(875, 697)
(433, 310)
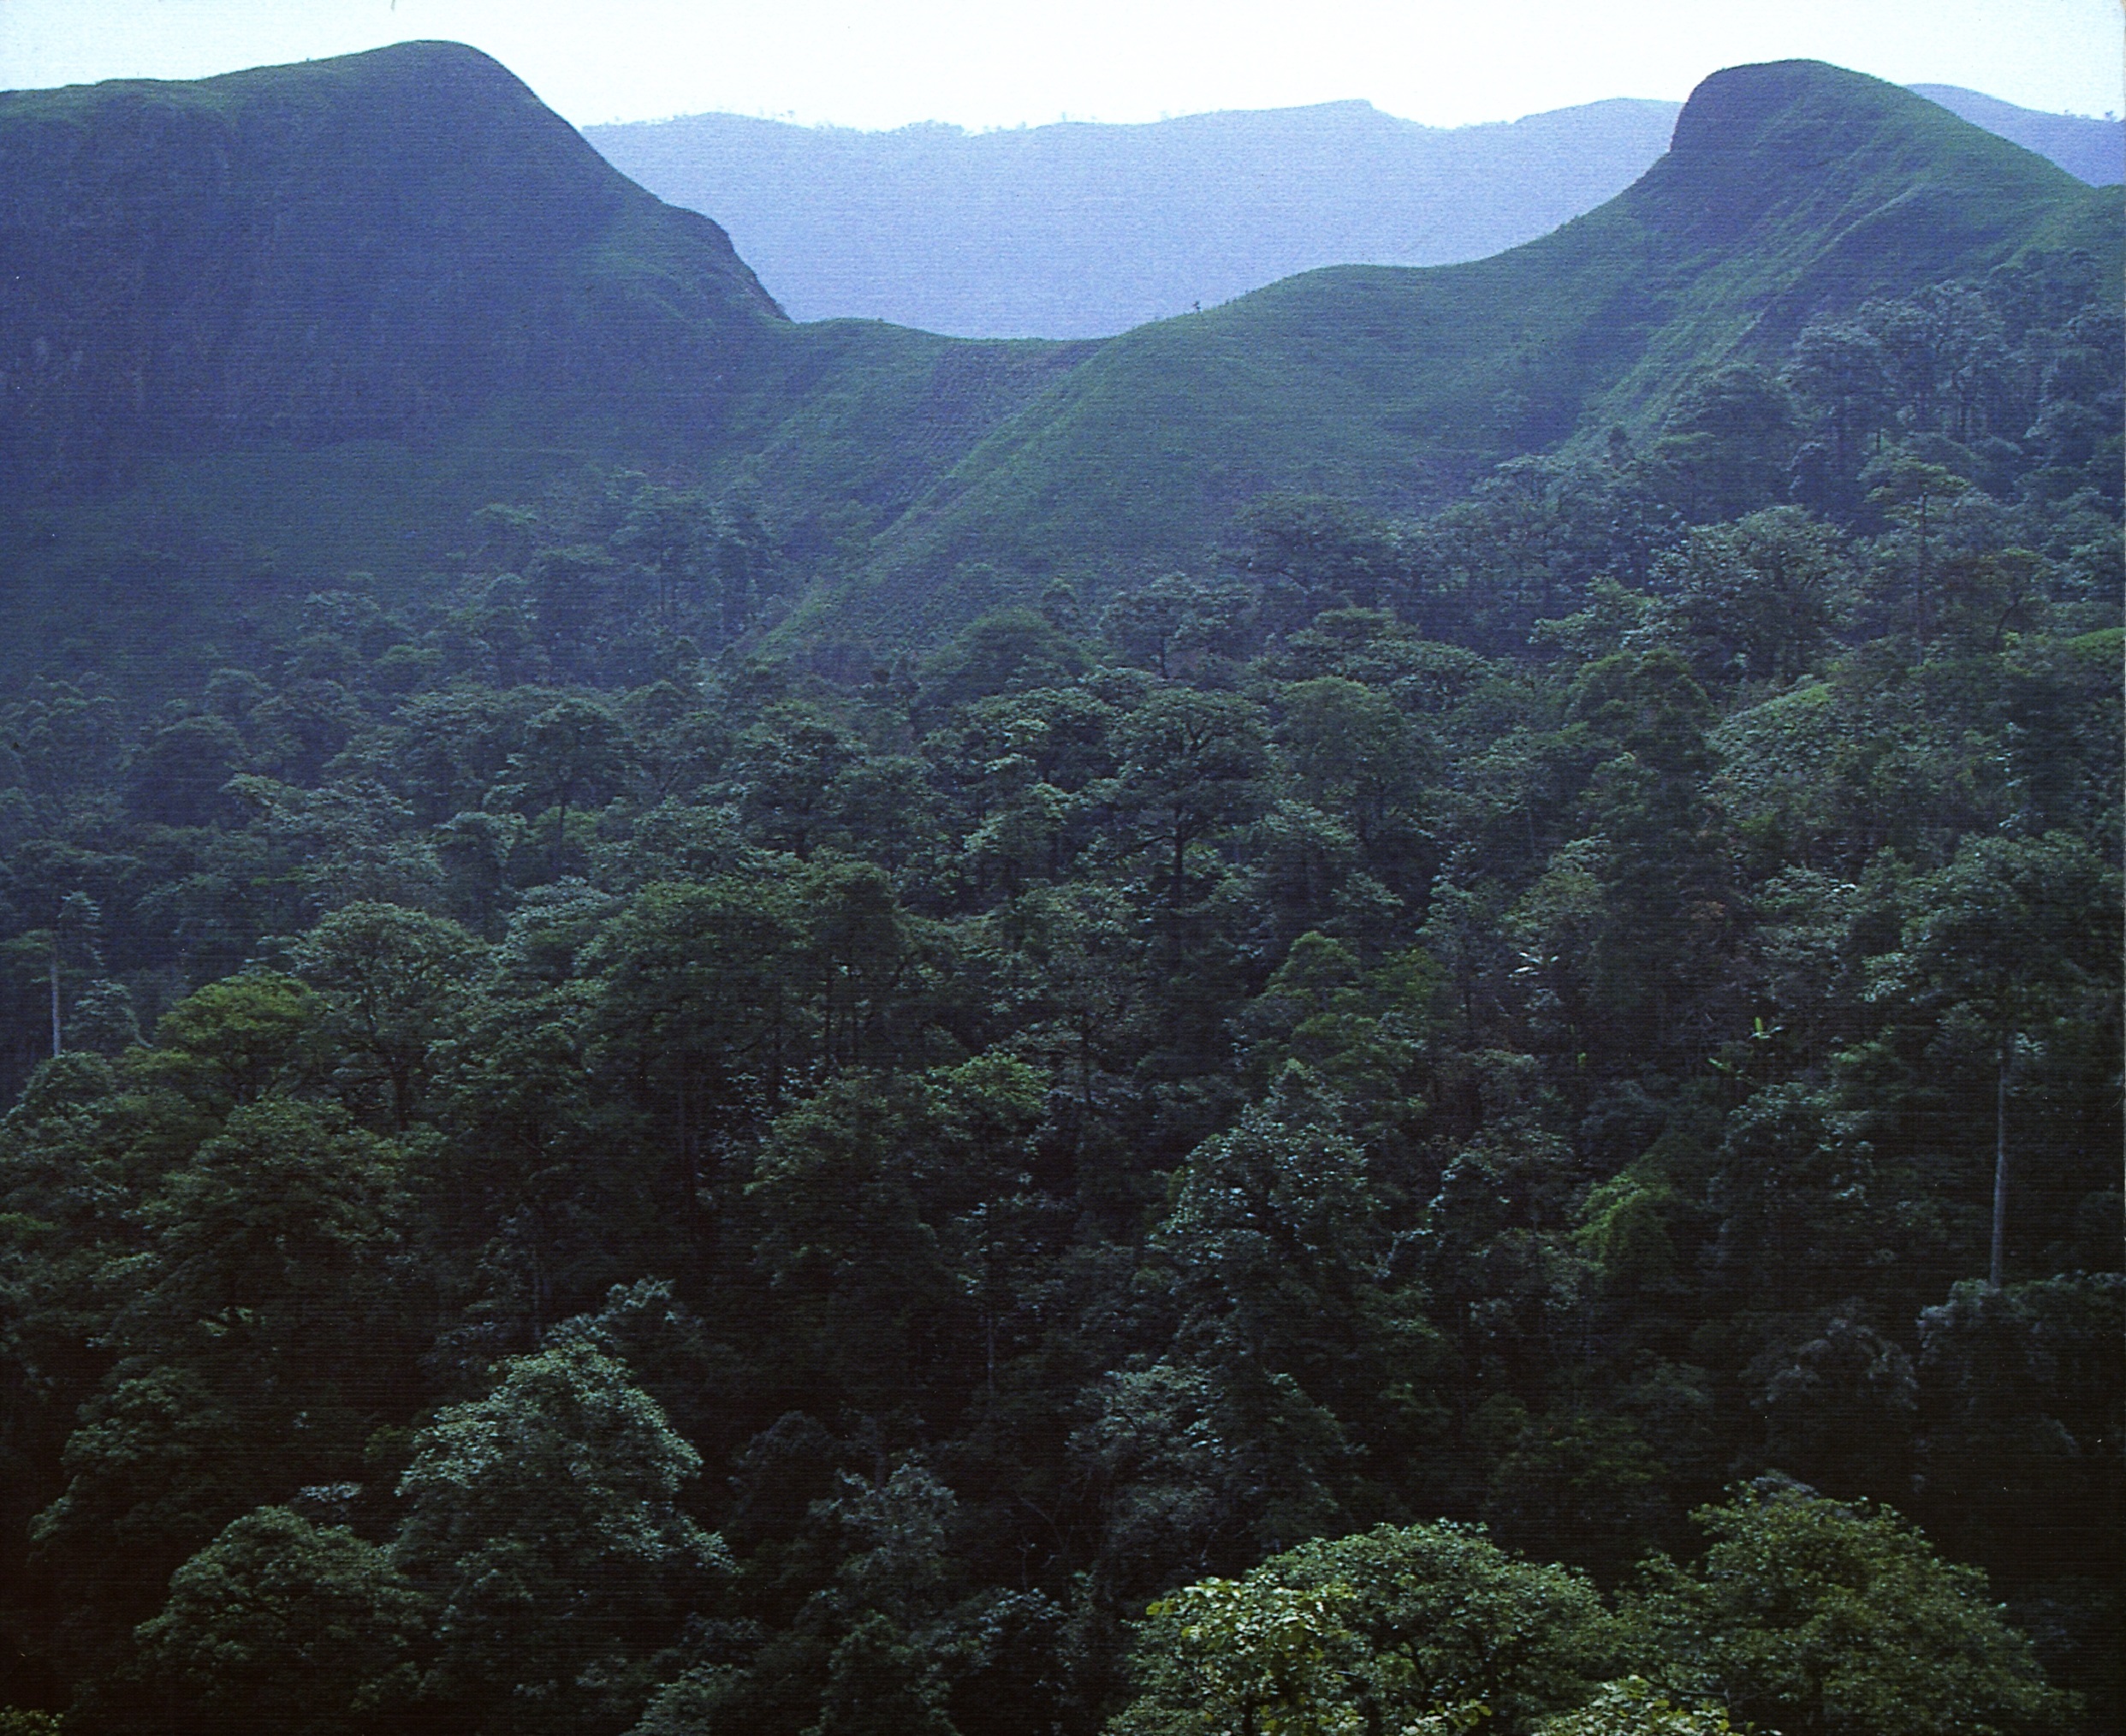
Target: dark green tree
(2014, 938)
(545, 1521)
(283, 1625)
(392, 981)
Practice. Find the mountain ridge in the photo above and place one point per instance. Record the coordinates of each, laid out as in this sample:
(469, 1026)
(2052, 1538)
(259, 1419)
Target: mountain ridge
(1078, 229)
(625, 332)
(2088, 149)
(1793, 188)
(373, 246)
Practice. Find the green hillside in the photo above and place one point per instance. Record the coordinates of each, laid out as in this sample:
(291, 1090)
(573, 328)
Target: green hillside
(265, 330)
(378, 246)
(274, 327)
(1791, 189)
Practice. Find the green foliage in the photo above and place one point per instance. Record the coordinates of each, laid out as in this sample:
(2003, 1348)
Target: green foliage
(280, 1227)
(911, 458)
(1632, 1706)
(232, 1041)
(1493, 993)
(1818, 1618)
(876, 1683)
(279, 1624)
(1726, 441)
(544, 1521)
(1228, 1657)
(388, 977)
(1604, 323)
(1369, 1631)
(1757, 598)
(2022, 1393)
(1004, 650)
(2014, 930)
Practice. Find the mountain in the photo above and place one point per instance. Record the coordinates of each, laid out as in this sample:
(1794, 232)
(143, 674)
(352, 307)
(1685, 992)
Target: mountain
(1791, 189)
(262, 330)
(515, 1052)
(303, 320)
(2089, 149)
(1080, 230)
(1083, 231)
(375, 247)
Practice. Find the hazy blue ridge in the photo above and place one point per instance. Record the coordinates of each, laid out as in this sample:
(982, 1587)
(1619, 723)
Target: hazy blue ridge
(1083, 230)
(1792, 189)
(2089, 149)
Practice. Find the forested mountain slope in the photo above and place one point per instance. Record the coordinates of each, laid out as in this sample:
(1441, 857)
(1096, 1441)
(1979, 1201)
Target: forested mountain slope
(595, 1148)
(224, 397)
(1791, 190)
(303, 320)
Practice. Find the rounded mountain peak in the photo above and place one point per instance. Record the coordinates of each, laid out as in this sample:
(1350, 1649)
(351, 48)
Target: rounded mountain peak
(1801, 136)
(372, 246)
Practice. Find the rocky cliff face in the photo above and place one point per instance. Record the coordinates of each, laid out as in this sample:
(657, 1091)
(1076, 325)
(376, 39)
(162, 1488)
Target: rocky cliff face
(368, 247)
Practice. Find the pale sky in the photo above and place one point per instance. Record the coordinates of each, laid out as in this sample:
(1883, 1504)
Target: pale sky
(877, 63)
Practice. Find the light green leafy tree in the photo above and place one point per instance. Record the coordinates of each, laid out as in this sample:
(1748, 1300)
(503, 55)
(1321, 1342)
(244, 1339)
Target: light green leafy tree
(1817, 1619)
(1633, 1706)
(232, 1042)
(1243, 1657)
(1372, 1632)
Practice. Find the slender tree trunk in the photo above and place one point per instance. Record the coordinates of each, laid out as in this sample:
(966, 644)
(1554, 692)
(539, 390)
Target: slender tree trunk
(1918, 591)
(55, 992)
(687, 1157)
(2000, 1162)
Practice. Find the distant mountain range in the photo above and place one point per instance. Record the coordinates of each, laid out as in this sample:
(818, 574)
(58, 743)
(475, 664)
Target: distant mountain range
(1084, 230)
(1080, 230)
(260, 331)
(2090, 150)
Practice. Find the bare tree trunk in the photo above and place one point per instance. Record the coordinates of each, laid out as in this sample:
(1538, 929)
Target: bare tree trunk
(2000, 1162)
(55, 992)
(1918, 591)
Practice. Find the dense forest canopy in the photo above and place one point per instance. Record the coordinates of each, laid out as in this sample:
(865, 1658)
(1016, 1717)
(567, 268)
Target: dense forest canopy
(1502, 1117)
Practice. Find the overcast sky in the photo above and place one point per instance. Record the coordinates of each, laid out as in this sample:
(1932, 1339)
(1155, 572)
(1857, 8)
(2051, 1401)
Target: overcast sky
(877, 64)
